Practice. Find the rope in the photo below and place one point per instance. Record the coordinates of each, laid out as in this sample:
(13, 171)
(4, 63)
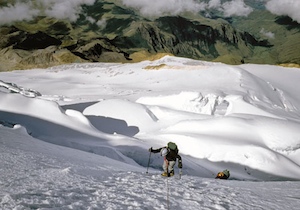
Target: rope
(168, 196)
(168, 189)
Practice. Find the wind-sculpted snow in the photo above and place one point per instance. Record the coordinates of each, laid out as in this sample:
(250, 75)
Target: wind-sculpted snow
(269, 97)
(186, 101)
(101, 119)
(68, 128)
(17, 89)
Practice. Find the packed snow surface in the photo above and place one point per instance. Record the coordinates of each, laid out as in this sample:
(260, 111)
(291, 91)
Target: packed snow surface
(77, 136)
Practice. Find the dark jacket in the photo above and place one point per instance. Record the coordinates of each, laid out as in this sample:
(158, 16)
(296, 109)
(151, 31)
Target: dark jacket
(171, 156)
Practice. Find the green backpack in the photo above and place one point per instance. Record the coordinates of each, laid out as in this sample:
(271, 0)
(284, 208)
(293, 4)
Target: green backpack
(226, 173)
(223, 175)
(173, 146)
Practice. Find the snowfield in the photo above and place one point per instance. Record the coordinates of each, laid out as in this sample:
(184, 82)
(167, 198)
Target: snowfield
(77, 136)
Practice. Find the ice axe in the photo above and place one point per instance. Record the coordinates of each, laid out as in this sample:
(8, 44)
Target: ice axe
(149, 160)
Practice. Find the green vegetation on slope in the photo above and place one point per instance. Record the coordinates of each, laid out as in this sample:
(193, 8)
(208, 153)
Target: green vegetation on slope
(110, 32)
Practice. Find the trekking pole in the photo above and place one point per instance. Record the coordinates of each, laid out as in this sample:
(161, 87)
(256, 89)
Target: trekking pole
(148, 161)
(180, 173)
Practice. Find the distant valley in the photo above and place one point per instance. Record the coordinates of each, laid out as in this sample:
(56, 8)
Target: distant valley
(108, 31)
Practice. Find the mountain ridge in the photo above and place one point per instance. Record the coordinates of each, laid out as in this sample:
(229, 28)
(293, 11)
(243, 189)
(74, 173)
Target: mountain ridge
(111, 32)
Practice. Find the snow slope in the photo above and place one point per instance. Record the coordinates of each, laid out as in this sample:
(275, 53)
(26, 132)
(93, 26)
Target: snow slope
(77, 136)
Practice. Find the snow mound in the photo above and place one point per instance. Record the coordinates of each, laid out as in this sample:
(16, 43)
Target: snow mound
(50, 113)
(78, 116)
(133, 114)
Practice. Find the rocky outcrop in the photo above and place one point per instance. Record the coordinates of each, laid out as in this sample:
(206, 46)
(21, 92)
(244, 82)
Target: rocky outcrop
(186, 38)
(23, 50)
(100, 50)
(39, 40)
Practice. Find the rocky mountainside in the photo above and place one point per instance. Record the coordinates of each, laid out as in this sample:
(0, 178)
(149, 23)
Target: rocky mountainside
(108, 31)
